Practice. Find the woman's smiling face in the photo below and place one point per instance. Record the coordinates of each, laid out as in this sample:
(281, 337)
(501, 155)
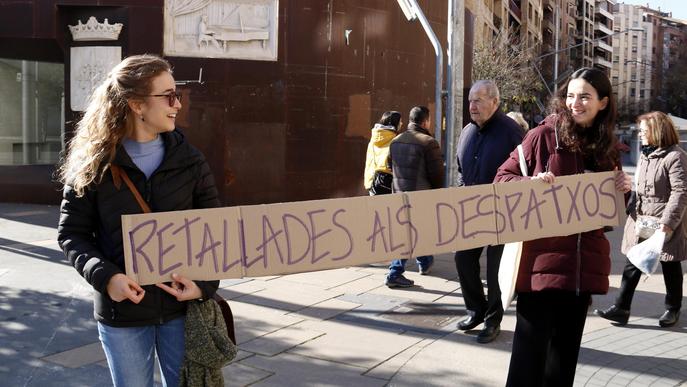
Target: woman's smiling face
(583, 102)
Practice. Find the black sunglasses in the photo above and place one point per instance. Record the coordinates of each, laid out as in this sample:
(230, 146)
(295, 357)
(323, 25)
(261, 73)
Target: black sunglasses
(172, 97)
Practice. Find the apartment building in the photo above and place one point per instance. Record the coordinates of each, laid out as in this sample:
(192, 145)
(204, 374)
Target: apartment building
(634, 58)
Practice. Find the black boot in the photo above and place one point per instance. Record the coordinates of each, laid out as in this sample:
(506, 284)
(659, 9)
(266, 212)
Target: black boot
(669, 318)
(615, 314)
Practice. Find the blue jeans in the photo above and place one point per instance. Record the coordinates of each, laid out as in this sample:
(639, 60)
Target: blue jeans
(131, 352)
(398, 266)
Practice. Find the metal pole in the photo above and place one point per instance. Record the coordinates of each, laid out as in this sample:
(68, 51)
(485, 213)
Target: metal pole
(438, 81)
(454, 106)
(556, 46)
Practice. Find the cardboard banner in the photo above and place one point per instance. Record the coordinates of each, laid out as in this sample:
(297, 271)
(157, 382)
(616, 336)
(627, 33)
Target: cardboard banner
(271, 239)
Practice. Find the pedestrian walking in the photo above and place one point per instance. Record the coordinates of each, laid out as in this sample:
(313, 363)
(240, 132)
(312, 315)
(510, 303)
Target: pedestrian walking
(558, 275)
(661, 195)
(378, 176)
(484, 145)
(128, 132)
(416, 164)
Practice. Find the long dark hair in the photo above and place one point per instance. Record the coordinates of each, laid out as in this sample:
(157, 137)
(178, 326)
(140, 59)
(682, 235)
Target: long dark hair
(392, 118)
(597, 143)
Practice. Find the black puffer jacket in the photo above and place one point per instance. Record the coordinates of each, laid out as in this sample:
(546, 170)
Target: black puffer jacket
(90, 227)
(416, 160)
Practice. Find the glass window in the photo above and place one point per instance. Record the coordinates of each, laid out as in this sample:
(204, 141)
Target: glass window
(31, 112)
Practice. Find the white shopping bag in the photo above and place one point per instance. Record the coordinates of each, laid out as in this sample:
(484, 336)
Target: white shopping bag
(510, 258)
(645, 255)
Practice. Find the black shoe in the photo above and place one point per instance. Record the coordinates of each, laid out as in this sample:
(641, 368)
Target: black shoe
(615, 314)
(488, 334)
(669, 318)
(399, 282)
(470, 323)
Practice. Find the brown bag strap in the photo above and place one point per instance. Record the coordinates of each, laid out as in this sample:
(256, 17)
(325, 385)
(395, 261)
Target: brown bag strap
(118, 174)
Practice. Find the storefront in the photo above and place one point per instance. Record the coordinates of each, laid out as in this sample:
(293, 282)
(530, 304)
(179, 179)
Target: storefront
(283, 110)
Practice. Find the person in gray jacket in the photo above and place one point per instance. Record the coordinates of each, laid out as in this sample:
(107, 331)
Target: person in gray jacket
(661, 192)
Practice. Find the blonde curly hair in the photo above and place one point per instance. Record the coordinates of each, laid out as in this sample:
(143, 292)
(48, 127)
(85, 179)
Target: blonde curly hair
(108, 119)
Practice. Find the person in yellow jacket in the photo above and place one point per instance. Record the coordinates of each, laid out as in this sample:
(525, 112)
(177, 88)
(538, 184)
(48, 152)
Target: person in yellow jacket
(378, 177)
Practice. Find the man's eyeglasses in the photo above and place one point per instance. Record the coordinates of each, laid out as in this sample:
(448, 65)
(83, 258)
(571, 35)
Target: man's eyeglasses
(172, 97)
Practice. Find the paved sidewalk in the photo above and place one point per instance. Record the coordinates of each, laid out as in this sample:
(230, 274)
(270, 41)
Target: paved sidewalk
(337, 327)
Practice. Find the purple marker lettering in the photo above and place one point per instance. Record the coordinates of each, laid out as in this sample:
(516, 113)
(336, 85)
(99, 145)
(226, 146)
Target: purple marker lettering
(500, 218)
(573, 201)
(391, 232)
(266, 240)
(348, 234)
(554, 194)
(377, 229)
(226, 267)
(611, 196)
(440, 234)
(489, 199)
(314, 235)
(187, 229)
(595, 197)
(533, 205)
(161, 251)
(413, 231)
(139, 250)
(466, 219)
(510, 209)
(285, 218)
(207, 236)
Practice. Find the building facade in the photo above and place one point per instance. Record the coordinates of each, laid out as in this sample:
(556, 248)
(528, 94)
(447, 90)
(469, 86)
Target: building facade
(290, 128)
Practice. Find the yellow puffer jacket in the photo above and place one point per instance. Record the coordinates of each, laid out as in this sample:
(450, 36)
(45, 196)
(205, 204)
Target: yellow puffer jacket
(378, 152)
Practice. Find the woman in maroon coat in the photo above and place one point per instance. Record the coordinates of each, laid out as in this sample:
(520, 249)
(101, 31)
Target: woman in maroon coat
(558, 275)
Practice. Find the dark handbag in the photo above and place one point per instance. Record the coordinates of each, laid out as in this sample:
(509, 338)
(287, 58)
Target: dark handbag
(381, 183)
(118, 174)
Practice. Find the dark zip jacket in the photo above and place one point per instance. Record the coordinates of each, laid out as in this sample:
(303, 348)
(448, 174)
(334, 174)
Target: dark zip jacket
(90, 228)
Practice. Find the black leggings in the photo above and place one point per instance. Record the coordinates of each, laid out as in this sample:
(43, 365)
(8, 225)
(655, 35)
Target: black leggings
(547, 338)
(672, 277)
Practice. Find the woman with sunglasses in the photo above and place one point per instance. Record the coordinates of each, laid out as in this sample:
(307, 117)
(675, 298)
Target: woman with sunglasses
(128, 129)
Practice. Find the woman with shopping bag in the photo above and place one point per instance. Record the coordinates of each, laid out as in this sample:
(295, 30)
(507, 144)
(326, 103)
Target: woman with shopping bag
(661, 192)
(558, 275)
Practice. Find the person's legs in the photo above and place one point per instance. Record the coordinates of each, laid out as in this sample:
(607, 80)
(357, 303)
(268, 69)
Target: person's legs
(570, 314)
(424, 263)
(628, 284)
(170, 350)
(467, 265)
(494, 313)
(672, 276)
(397, 268)
(130, 354)
(530, 341)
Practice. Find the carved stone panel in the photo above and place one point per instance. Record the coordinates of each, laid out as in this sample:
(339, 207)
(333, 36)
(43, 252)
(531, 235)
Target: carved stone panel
(88, 68)
(238, 29)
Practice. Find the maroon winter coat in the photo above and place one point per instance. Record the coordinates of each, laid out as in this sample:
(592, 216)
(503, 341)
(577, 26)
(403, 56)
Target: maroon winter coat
(578, 262)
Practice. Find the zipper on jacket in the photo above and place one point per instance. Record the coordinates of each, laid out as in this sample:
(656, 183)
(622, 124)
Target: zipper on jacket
(579, 264)
(149, 188)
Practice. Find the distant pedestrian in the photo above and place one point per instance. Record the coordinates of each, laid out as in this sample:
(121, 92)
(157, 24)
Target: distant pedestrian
(517, 117)
(417, 164)
(661, 193)
(484, 145)
(558, 275)
(378, 176)
(128, 129)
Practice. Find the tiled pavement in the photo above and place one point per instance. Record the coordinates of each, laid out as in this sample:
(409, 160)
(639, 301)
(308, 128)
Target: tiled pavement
(335, 327)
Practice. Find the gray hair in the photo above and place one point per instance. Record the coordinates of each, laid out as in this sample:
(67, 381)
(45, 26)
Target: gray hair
(489, 86)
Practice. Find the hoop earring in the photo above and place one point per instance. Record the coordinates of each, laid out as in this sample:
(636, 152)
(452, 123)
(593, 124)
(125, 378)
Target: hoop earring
(142, 119)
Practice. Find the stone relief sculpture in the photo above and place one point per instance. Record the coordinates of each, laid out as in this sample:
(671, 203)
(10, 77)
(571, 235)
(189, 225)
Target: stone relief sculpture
(239, 29)
(89, 65)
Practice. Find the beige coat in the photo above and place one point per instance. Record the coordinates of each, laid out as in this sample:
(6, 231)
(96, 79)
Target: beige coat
(662, 192)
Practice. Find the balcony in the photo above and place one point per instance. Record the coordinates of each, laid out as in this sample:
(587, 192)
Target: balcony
(515, 9)
(603, 45)
(603, 28)
(602, 62)
(548, 24)
(605, 13)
